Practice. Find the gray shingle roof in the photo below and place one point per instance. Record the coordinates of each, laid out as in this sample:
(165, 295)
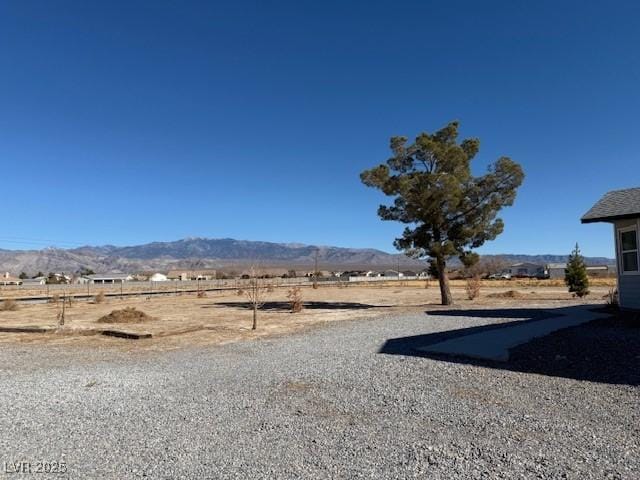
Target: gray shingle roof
(615, 205)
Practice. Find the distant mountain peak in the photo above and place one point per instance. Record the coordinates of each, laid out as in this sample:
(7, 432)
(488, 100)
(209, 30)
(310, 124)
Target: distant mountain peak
(211, 252)
(225, 253)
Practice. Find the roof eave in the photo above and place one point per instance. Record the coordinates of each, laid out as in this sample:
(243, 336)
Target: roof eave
(611, 218)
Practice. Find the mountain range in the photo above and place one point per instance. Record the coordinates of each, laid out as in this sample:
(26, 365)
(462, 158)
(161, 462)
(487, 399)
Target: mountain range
(224, 253)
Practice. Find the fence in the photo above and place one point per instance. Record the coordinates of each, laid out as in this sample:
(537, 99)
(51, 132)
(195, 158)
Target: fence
(173, 287)
(137, 287)
(385, 279)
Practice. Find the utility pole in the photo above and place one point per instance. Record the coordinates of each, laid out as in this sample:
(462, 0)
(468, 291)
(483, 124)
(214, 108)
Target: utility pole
(315, 271)
(64, 301)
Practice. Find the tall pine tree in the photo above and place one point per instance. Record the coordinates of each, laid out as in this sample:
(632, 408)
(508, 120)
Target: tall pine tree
(448, 211)
(575, 276)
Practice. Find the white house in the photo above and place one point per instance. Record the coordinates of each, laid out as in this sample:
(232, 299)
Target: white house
(109, 278)
(185, 275)
(158, 277)
(34, 281)
(7, 279)
(621, 208)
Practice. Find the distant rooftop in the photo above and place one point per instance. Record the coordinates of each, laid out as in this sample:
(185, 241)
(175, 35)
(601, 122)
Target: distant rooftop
(615, 205)
(100, 276)
(557, 265)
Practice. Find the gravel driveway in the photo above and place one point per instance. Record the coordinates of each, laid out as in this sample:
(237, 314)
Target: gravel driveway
(320, 404)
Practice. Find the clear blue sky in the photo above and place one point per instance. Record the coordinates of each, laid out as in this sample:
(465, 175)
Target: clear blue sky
(128, 122)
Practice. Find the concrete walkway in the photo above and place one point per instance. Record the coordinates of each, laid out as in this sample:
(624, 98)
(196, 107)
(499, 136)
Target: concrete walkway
(494, 344)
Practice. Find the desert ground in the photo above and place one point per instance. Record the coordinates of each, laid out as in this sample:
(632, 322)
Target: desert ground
(343, 401)
(183, 319)
(334, 391)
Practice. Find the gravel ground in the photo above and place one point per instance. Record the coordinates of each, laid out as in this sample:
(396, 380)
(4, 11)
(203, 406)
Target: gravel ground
(320, 404)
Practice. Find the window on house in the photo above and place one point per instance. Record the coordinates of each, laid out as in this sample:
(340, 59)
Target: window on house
(629, 250)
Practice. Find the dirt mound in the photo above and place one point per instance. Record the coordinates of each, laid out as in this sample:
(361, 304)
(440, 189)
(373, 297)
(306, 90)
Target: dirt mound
(126, 315)
(507, 294)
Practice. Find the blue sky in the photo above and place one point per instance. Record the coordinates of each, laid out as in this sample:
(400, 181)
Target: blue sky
(128, 122)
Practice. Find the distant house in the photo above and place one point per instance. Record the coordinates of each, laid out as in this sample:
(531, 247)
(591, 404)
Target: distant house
(601, 270)
(392, 273)
(158, 277)
(526, 269)
(185, 275)
(107, 278)
(424, 273)
(34, 281)
(556, 270)
(7, 279)
(59, 278)
(622, 209)
(353, 273)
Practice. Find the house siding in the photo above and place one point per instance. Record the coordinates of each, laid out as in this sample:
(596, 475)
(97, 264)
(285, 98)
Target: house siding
(629, 289)
(628, 285)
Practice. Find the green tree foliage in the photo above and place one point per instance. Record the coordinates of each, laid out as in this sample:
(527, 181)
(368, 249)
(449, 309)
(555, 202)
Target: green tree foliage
(575, 276)
(23, 275)
(448, 210)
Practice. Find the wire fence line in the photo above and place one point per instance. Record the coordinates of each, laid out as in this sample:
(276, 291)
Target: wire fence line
(143, 286)
(130, 288)
(385, 279)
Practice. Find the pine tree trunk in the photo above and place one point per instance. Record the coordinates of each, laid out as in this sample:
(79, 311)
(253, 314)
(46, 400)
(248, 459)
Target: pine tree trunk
(255, 317)
(445, 291)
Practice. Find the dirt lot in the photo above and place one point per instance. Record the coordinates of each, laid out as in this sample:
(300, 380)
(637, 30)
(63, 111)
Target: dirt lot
(223, 317)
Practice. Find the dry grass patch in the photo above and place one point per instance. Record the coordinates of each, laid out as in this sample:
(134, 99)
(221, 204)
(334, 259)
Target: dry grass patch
(507, 294)
(99, 298)
(126, 315)
(9, 305)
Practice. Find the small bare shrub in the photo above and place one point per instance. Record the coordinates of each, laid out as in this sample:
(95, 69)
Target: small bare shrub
(55, 298)
(240, 292)
(295, 299)
(612, 298)
(256, 292)
(9, 305)
(473, 287)
(99, 298)
(201, 294)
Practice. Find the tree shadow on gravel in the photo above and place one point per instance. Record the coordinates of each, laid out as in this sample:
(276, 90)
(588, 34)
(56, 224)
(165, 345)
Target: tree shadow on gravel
(606, 350)
(286, 306)
(523, 313)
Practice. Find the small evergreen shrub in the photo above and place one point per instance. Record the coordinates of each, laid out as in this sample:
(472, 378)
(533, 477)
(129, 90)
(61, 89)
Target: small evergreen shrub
(575, 276)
